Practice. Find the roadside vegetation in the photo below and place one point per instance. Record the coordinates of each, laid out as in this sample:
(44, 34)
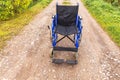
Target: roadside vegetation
(113, 2)
(108, 15)
(15, 14)
(66, 2)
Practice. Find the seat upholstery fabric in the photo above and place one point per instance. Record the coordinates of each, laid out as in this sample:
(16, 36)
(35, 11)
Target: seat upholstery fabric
(64, 30)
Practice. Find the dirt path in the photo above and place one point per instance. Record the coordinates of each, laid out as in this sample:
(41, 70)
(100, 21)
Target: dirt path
(29, 53)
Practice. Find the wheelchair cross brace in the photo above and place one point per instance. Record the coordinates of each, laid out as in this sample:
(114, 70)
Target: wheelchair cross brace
(65, 37)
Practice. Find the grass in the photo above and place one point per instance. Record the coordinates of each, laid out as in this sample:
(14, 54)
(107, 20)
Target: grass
(10, 28)
(107, 15)
(66, 2)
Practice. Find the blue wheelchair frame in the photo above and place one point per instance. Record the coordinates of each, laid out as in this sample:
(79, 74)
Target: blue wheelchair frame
(77, 36)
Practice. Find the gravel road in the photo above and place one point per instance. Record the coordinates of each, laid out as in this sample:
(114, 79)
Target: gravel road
(27, 55)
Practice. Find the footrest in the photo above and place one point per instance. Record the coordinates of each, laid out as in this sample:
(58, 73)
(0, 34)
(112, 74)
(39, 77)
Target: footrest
(58, 48)
(72, 62)
(57, 61)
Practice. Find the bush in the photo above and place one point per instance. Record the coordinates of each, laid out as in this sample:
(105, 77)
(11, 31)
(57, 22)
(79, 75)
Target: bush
(20, 5)
(8, 8)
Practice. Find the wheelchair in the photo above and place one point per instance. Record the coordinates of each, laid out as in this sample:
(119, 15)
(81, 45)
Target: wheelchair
(66, 22)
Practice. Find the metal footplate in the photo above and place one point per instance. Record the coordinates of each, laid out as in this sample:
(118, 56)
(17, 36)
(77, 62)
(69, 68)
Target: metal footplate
(72, 62)
(60, 61)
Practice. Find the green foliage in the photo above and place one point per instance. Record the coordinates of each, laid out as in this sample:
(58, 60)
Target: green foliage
(20, 5)
(113, 2)
(107, 15)
(6, 9)
(9, 8)
(13, 26)
(66, 2)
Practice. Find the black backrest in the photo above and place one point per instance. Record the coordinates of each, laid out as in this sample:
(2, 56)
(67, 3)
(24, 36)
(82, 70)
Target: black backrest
(67, 15)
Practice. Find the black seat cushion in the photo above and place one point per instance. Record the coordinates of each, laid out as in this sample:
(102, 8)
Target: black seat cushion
(66, 30)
